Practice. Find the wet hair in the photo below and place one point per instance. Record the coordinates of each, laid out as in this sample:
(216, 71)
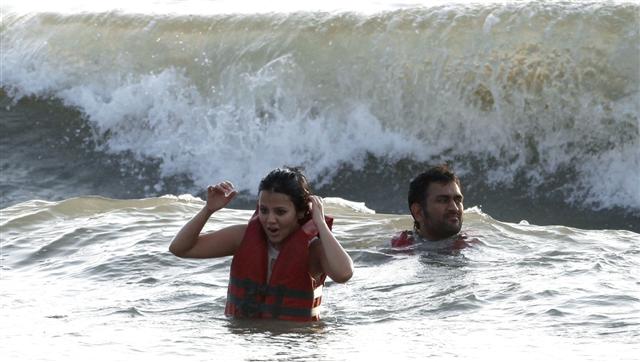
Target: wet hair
(420, 184)
(291, 182)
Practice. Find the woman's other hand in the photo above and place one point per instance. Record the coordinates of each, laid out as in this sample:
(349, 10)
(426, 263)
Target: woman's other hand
(316, 205)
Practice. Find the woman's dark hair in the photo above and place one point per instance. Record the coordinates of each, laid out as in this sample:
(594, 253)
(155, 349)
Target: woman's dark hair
(289, 181)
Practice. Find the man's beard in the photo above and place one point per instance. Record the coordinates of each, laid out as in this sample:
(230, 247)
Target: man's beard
(444, 229)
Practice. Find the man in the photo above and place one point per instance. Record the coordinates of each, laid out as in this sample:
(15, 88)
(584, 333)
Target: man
(435, 202)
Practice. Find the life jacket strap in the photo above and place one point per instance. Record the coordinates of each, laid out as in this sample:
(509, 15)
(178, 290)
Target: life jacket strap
(252, 287)
(251, 308)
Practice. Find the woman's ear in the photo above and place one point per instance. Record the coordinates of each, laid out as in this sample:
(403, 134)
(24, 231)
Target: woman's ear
(304, 213)
(309, 206)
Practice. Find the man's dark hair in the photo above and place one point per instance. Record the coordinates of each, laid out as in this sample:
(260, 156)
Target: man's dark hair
(291, 182)
(419, 185)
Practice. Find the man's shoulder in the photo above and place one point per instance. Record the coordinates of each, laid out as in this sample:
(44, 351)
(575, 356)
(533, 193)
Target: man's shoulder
(463, 241)
(407, 238)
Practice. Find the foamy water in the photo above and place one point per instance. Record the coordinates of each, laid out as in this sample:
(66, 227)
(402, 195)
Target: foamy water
(538, 97)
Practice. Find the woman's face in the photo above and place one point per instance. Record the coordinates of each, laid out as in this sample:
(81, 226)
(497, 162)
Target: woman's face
(277, 215)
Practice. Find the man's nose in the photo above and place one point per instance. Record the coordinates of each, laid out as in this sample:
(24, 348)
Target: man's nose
(454, 205)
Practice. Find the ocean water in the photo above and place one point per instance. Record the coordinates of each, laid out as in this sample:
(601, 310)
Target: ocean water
(91, 277)
(114, 117)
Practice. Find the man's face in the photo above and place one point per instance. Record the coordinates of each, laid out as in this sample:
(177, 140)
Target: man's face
(442, 216)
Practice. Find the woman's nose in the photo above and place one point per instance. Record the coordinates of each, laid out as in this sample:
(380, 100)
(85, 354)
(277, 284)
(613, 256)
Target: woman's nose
(271, 217)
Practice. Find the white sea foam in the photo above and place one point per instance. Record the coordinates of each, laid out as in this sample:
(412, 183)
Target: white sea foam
(524, 91)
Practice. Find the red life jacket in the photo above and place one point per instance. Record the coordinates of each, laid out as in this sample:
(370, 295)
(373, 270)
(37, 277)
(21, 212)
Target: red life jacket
(291, 293)
(403, 239)
(407, 238)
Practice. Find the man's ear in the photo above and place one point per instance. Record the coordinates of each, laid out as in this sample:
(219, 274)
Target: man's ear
(416, 211)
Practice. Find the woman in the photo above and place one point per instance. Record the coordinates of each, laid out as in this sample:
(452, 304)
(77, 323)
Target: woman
(280, 258)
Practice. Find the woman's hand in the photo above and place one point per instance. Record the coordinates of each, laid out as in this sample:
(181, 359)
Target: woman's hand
(189, 243)
(219, 195)
(316, 205)
(334, 260)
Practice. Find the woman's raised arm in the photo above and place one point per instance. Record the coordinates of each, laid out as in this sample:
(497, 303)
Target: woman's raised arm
(189, 243)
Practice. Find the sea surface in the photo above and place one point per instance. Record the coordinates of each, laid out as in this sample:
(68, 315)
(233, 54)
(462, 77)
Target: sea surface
(114, 117)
